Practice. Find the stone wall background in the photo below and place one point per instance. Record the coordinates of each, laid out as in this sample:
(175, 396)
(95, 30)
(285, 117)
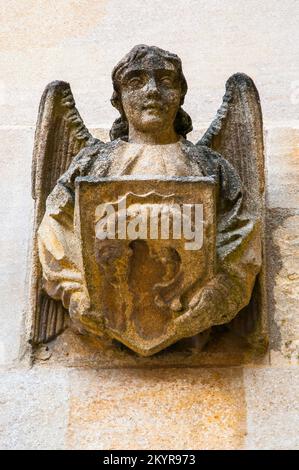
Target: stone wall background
(80, 41)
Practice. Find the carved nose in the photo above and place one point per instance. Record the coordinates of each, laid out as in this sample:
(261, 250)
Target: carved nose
(152, 88)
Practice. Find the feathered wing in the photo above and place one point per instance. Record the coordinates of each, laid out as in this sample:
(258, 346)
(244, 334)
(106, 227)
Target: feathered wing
(237, 134)
(60, 134)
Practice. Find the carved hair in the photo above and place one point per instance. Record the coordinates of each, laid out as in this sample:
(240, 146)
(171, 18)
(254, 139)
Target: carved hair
(120, 128)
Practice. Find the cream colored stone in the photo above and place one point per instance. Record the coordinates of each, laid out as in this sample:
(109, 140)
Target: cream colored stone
(33, 409)
(79, 41)
(282, 152)
(100, 133)
(186, 407)
(283, 285)
(156, 409)
(272, 408)
(16, 225)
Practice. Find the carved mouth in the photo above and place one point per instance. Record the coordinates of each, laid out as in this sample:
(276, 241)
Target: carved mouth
(153, 106)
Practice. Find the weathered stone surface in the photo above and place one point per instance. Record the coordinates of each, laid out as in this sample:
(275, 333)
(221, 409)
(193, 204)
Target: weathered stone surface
(15, 212)
(50, 42)
(283, 284)
(221, 348)
(33, 409)
(156, 409)
(63, 42)
(148, 277)
(134, 285)
(282, 144)
(272, 408)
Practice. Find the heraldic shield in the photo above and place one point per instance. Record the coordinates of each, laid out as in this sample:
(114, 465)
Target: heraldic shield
(148, 245)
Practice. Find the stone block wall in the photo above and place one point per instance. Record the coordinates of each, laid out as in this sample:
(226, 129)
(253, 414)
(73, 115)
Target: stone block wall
(52, 405)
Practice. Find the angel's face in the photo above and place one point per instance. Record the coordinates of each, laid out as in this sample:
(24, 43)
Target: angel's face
(151, 95)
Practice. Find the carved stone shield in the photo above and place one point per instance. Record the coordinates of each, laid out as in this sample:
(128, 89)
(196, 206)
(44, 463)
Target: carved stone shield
(147, 246)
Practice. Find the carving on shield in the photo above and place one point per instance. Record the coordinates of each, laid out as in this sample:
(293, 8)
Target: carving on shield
(147, 246)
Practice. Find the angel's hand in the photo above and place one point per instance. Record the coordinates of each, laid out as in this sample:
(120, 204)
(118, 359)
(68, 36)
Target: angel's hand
(81, 314)
(216, 303)
(199, 315)
(79, 304)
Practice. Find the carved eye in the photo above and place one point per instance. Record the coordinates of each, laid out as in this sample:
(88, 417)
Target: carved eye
(135, 82)
(166, 81)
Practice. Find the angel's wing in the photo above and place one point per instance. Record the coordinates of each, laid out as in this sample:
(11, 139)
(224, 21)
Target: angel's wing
(60, 134)
(237, 134)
